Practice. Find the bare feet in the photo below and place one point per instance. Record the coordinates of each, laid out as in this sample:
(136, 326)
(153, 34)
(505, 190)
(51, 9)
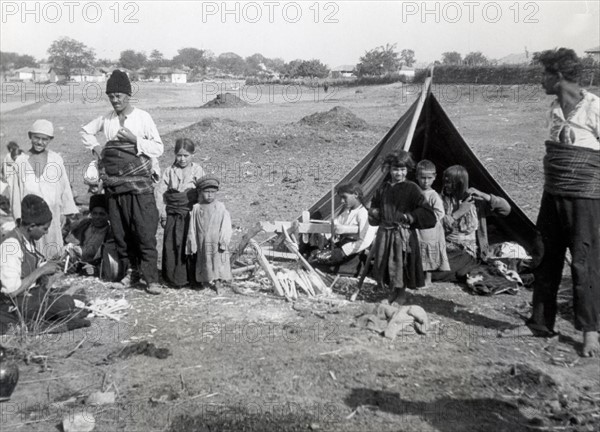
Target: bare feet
(591, 346)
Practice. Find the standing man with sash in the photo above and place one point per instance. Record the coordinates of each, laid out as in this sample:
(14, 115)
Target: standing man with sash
(128, 170)
(570, 210)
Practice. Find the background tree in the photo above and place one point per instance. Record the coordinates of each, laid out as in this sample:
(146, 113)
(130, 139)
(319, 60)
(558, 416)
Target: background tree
(291, 69)
(69, 56)
(155, 61)
(276, 64)
(156, 57)
(451, 58)
(312, 68)
(407, 57)
(379, 61)
(194, 58)
(476, 59)
(132, 60)
(104, 63)
(11, 60)
(255, 65)
(231, 63)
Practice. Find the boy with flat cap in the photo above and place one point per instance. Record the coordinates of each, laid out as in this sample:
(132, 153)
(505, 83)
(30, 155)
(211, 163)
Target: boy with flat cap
(209, 235)
(128, 170)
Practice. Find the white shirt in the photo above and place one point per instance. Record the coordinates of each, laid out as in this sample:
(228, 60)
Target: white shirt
(138, 122)
(11, 259)
(366, 233)
(582, 127)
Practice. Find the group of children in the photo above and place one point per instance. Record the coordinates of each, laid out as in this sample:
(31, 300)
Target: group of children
(197, 227)
(420, 235)
(412, 229)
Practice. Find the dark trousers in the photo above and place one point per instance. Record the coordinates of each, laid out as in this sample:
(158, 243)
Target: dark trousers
(134, 221)
(39, 304)
(572, 223)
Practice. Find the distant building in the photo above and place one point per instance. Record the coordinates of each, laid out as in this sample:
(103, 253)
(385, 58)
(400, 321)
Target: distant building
(166, 74)
(407, 72)
(594, 53)
(89, 75)
(514, 59)
(343, 71)
(31, 74)
(108, 70)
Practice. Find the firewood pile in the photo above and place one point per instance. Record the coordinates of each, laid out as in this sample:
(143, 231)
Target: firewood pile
(291, 281)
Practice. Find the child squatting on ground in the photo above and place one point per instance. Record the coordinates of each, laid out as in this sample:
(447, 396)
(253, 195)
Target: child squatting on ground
(209, 235)
(400, 209)
(348, 254)
(91, 234)
(178, 191)
(432, 241)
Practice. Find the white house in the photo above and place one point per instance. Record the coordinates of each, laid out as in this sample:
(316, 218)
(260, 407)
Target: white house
(167, 74)
(343, 71)
(594, 53)
(90, 75)
(407, 72)
(32, 74)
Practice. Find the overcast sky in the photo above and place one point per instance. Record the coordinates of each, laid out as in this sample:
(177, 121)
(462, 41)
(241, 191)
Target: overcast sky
(334, 32)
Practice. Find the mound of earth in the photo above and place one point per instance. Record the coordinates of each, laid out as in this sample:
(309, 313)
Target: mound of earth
(337, 117)
(225, 100)
(219, 123)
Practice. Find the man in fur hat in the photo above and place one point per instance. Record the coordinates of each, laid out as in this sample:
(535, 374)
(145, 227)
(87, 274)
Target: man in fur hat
(128, 170)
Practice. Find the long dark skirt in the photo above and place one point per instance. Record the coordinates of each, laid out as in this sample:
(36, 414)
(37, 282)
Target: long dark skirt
(177, 268)
(394, 266)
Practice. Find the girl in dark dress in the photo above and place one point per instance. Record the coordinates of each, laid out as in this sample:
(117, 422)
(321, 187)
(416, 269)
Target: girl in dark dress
(179, 194)
(400, 209)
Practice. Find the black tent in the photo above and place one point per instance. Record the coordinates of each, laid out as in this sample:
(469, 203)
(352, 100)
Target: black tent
(426, 131)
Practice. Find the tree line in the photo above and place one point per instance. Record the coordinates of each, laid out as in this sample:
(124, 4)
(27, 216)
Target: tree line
(69, 57)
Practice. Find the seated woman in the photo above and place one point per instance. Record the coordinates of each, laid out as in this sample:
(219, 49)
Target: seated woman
(464, 223)
(93, 235)
(24, 272)
(348, 254)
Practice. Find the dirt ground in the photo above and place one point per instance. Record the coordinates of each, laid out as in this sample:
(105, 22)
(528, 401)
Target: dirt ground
(247, 360)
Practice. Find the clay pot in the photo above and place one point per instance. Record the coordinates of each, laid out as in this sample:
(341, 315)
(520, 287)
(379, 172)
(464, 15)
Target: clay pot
(9, 375)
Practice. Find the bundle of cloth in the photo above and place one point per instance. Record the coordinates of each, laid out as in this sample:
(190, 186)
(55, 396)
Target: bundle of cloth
(391, 321)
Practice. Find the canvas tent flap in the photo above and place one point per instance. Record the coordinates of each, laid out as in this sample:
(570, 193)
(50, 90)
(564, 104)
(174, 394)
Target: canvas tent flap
(435, 138)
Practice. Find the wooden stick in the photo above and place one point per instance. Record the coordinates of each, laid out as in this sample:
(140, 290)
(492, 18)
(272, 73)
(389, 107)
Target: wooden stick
(313, 276)
(301, 283)
(243, 269)
(305, 219)
(76, 348)
(244, 242)
(267, 267)
(332, 241)
(364, 273)
(337, 277)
